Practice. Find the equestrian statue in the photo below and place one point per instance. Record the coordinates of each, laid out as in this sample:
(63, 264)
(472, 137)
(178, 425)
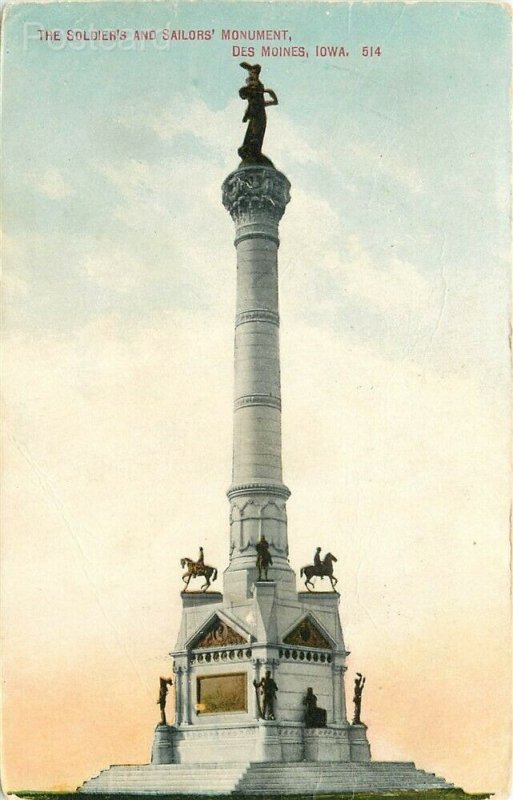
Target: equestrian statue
(197, 568)
(320, 568)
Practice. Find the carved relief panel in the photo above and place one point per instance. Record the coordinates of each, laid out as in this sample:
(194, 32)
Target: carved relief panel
(306, 634)
(249, 519)
(218, 634)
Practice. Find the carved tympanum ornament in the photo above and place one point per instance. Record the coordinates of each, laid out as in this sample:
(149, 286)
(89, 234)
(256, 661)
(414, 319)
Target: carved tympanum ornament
(306, 634)
(218, 634)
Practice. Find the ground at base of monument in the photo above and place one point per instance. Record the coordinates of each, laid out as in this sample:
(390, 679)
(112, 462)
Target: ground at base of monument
(423, 794)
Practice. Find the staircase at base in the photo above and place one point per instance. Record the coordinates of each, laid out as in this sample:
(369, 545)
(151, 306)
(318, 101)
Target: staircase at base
(166, 779)
(263, 778)
(327, 778)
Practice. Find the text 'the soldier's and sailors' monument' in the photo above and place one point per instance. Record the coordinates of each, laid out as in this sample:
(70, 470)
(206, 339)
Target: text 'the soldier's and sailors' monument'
(259, 670)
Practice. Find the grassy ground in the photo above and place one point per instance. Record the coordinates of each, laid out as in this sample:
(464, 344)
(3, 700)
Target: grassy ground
(432, 794)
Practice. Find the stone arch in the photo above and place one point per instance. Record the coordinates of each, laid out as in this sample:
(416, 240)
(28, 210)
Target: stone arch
(277, 510)
(250, 524)
(235, 526)
(274, 525)
(249, 507)
(235, 512)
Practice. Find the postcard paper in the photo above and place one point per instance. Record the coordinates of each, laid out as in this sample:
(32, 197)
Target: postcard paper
(377, 153)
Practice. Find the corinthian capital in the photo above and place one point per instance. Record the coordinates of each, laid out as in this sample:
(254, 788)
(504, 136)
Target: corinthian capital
(256, 188)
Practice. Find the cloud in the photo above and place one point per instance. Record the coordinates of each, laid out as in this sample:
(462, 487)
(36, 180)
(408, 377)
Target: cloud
(115, 269)
(222, 131)
(190, 116)
(392, 286)
(187, 234)
(288, 145)
(328, 252)
(15, 278)
(386, 163)
(53, 184)
(151, 199)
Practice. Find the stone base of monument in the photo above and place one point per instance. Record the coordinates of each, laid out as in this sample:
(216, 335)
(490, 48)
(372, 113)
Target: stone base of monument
(284, 759)
(265, 778)
(265, 740)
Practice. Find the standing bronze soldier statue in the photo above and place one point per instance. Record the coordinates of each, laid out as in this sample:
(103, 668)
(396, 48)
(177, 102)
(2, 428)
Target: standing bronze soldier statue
(264, 560)
(255, 116)
(267, 688)
(165, 683)
(359, 683)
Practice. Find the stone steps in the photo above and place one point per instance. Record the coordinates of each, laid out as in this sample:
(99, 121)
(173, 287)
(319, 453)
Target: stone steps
(208, 779)
(328, 777)
(262, 778)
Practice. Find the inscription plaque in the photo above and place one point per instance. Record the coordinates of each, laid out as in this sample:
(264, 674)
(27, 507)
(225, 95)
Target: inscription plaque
(222, 694)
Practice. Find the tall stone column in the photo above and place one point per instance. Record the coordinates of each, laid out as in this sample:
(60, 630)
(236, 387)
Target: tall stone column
(256, 196)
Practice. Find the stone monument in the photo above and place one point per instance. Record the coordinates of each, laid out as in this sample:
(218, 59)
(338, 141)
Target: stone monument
(251, 664)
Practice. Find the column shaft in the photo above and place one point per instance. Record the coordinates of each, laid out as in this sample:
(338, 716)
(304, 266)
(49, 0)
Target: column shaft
(256, 197)
(257, 401)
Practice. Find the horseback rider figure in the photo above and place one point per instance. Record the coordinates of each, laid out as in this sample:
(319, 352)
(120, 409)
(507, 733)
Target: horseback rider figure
(197, 568)
(264, 560)
(320, 568)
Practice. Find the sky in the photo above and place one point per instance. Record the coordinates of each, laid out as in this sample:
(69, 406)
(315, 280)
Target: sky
(118, 307)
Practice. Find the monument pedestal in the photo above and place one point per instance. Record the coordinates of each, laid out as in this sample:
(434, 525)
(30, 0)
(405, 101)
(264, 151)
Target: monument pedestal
(162, 751)
(359, 745)
(224, 647)
(264, 741)
(327, 744)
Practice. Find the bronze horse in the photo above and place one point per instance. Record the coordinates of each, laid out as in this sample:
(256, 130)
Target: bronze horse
(325, 568)
(194, 570)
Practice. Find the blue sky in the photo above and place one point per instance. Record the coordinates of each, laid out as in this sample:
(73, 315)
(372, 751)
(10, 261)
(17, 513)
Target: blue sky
(409, 149)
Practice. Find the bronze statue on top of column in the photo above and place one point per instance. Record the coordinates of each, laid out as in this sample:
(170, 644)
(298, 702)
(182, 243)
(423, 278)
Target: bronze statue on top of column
(254, 92)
